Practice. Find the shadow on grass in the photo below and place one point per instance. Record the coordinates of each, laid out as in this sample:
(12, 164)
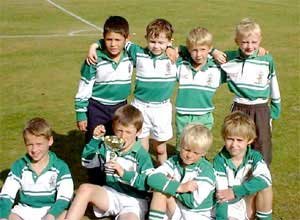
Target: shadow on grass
(69, 147)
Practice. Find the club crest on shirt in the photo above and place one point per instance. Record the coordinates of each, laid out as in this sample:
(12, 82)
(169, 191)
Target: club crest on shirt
(209, 79)
(52, 181)
(259, 78)
(233, 75)
(169, 69)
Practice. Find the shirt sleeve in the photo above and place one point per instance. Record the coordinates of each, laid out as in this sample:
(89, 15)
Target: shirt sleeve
(89, 156)
(275, 93)
(65, 189)
(84, 92)
(9, 190)
(161, 179)
(206, 188)
(260, 179)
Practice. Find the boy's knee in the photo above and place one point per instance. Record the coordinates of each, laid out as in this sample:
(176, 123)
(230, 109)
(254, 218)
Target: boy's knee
(84, 189)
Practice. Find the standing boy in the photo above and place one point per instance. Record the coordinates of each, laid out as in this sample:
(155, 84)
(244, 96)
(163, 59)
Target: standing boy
(42, 180)
(185, 184)
(105, 86)
(125, 192)
(155, 82)
(243, 179)
(199, 77)
(253, 80)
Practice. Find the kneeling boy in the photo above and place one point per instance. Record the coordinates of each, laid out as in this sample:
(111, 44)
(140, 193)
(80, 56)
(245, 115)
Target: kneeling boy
(42, 180)
(125, 192)
(185, 184)
(243, 178)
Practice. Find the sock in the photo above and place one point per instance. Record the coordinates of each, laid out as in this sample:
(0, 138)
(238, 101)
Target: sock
(157, 215)
(264, 215)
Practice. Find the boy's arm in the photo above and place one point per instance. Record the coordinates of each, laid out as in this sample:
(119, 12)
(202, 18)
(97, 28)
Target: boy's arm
(261, 179)
(92, 54)
(161, 179)
(84, 91)
(65, 189)
(89, 153)
(275, 93)
(206, 188)
(8, 193)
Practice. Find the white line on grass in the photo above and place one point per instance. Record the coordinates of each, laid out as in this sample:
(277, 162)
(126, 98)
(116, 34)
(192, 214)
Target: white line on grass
(75, 16)
(71, 34)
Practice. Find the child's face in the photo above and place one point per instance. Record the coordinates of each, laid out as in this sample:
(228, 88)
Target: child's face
(114, 43)
(190, 155)
(127, 133)
(37, 146)
(248, 43)
(237, 146)
(158, 45)
(199, 54)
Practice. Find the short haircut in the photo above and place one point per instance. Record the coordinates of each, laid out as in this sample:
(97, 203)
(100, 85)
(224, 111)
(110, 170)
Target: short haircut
(246, 27)
(116, 24)
(199, 36)
(37, 127)
(196, 135)
(128, 115)
(238, 124)
(157, 26)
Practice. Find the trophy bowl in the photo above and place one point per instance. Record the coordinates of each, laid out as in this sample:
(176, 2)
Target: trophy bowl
(114, 144)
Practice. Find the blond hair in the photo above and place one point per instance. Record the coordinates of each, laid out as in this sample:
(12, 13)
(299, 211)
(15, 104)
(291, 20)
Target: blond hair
(128, 115)
(196, 135)
(157, 26)
(37, 127)
(238, 124)
(246, 27)
(199, 36)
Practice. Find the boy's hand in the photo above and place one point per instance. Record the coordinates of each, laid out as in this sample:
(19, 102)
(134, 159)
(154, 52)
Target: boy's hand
(82, 125)
(219, 56)
(225, 195)
(189, 186)
(92, 55)
(172, 54)
(48, 217)
(262, 51)
(99, 131)
(114, 165)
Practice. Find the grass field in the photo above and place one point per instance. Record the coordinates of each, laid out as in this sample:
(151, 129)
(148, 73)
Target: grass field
(43, 46)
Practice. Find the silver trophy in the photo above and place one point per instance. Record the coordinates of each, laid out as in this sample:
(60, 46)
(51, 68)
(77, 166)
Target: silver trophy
(114, 144)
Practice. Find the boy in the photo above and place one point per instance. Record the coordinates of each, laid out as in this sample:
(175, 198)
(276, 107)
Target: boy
(243, 178)
(124, 194)
(104, 87)
(253, 80)
(185, 184)
(199, 77)
(42, 180)
(155, 82)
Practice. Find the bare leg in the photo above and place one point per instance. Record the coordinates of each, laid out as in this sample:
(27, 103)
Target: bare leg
(145, 143)
(250, 204)
(14, 216)
(264, 200)
(159, 202)
(161, 151)
(128, 216)
(87, 193)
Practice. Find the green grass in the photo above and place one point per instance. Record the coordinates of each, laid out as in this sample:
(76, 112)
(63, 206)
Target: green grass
(40, 75)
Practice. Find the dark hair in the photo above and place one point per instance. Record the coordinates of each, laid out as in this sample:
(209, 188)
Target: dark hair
(116, 24)
(128, 115)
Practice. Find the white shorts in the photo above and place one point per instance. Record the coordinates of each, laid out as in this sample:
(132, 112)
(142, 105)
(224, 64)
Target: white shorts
(183, 213)
(30, 213)
(120, 203)
(157, 119)
(237, 210)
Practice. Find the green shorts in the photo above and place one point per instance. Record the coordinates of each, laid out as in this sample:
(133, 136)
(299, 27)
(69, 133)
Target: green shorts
(182, 120)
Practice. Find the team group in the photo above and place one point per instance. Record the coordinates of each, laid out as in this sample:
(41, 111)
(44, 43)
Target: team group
(237, 185)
